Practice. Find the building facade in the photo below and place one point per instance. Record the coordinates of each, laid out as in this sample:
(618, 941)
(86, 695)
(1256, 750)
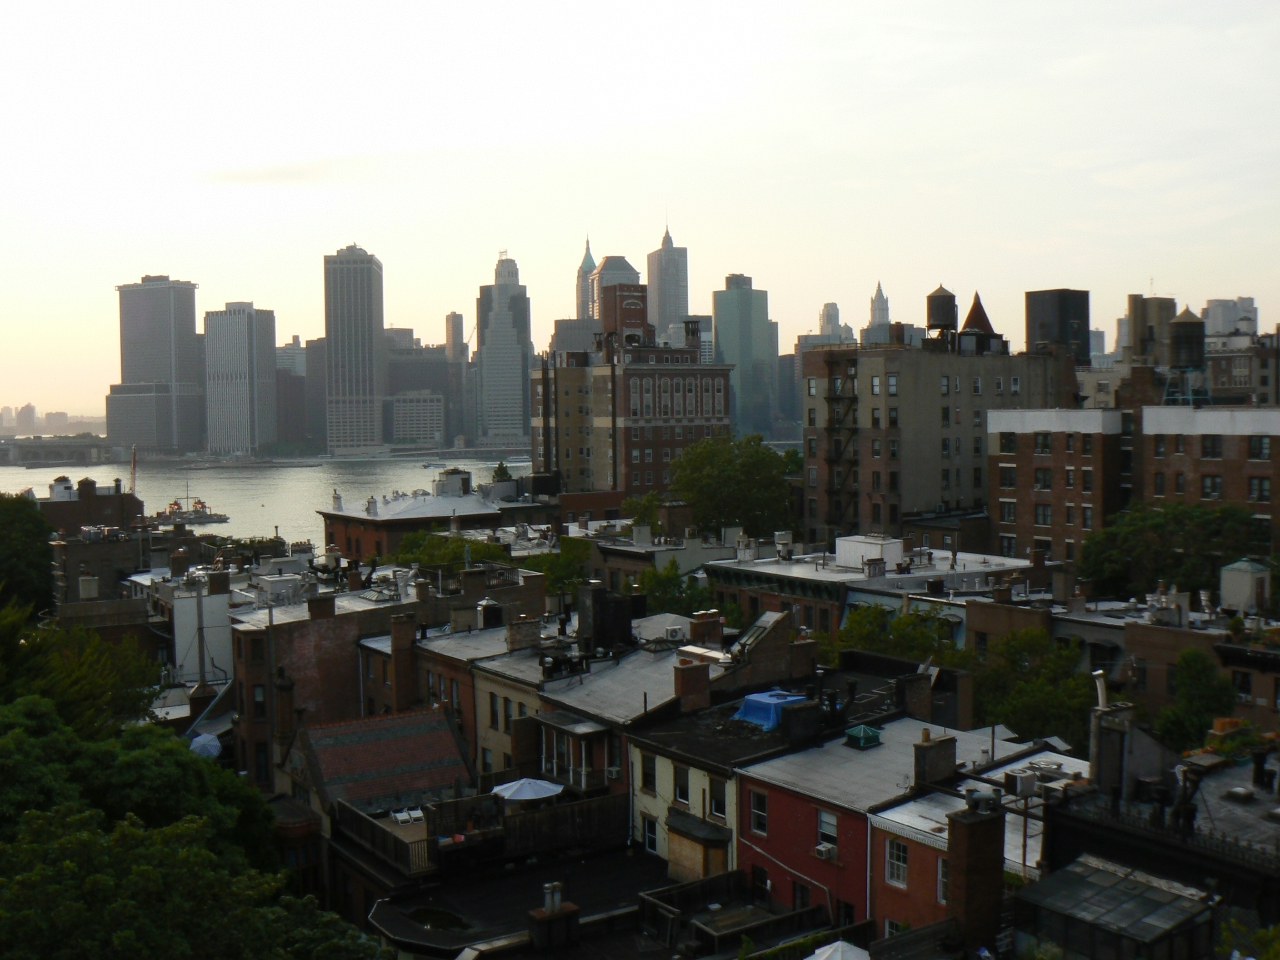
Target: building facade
(418, 417)
(582, 285)
(240, 378)
(503, 352)
(747, 340)
(355, 351)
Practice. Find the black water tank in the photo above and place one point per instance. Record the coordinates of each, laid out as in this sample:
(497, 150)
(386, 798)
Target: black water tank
(941, 310)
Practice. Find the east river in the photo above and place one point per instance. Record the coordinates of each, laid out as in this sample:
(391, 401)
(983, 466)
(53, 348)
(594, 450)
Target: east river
(260, 499)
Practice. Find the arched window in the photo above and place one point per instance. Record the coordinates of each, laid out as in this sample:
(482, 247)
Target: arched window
(666, 396)
(635, 396)
(719, 397)
(648, 397)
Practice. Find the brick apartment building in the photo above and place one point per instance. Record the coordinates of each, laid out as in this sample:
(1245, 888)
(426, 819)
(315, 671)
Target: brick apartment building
(1054, 475)
(616, 418)
(897, 431)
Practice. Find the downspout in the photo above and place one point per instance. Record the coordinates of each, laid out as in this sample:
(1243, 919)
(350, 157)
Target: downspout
(830, 906)
(360, 674)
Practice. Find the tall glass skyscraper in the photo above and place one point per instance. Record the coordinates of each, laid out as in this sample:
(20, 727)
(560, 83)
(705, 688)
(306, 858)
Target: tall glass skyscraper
(355, 350)
(503, 351)
(748, 339)
(240, 378)
(668, 283)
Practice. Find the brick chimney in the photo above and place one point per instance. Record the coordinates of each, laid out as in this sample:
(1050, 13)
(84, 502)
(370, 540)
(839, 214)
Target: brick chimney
(693, 685)
(404, 680)
(935, 759)
(523, 633)
(322, 607)
(975, 869)
(354, 580)
(804, 656)
(915, 695)
(705, 630)
(286, 718)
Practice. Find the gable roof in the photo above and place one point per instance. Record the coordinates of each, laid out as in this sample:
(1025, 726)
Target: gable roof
(376, 763)
(977, 318)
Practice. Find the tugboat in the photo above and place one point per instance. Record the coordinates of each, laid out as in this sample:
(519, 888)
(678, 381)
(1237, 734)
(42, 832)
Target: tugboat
(195, 515)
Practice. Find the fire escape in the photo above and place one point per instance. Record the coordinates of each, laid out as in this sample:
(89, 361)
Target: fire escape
(842, 443)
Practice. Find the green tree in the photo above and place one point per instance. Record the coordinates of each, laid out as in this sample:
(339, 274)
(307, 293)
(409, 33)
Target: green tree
(917, 635)
(792, 462)
(1179, 543)
(729, 482)
(429, 549)
(95, 686)
(644, 510)
(565, 568)
(500, 472)
(1201, 693)
(26, 559)
(70, 886)
(669, 592)
(1032, 684)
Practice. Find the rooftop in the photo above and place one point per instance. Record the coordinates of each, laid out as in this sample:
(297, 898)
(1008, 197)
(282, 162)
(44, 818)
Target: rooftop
(467, 647)
(417, 505)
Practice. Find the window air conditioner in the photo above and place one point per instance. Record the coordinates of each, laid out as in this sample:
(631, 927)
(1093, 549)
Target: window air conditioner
(827, 851)
(613, 773)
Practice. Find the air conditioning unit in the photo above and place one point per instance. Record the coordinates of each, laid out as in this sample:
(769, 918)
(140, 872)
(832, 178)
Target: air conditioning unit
(827, 851)
(675, 633)
(612, 773)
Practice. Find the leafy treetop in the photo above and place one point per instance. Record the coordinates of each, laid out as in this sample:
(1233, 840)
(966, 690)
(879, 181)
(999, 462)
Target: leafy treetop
(728, 482)
(26, 559)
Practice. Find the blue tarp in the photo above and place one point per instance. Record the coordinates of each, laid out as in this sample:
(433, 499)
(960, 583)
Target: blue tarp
(765, 709)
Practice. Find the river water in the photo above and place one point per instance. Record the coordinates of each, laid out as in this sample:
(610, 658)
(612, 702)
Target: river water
(260, 500)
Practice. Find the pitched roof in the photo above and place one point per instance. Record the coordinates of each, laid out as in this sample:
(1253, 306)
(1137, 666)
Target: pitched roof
(390, 760)
(941, 292)
(977, 318)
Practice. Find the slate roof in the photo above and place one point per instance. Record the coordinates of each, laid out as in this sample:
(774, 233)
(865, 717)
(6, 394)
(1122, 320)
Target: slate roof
(391, 760)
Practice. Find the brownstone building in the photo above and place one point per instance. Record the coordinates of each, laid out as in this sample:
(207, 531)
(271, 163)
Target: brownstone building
(617, 418)
(1055, 475)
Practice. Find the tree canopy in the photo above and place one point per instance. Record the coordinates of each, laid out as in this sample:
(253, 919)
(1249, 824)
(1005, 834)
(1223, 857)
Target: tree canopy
(26, 559)
(1180, 543)
(669, 592)
(644, 510)
(500, 472)
(564, 569)
(429, 549)
(729, 482)
(1201, 693)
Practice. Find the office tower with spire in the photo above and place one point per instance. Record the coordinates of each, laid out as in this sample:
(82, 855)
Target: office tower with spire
(879, 307)
(669, 289)
(355, 351)
(746, 338)
(240, 378)
(503, 352)
(582, 289)
(877, 331)
(610, 272)
(159, 402)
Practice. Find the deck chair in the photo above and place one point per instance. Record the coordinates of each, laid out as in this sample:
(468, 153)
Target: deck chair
(416, 815)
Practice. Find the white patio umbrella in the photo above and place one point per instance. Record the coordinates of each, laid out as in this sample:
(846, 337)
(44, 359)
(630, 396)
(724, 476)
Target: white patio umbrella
(840, 950)
(206, 745)
(527, 789)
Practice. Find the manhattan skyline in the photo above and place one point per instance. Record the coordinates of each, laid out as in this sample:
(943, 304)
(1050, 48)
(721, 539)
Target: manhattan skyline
(1119, 151)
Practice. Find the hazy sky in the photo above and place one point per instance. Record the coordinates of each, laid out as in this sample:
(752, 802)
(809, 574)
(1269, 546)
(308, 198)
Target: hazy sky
(819, 148)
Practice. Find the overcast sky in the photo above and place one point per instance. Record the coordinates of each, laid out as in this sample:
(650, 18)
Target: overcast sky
(1121, 148)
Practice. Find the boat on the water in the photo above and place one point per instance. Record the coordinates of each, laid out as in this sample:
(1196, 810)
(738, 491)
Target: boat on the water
(193, 516)
(434, 466)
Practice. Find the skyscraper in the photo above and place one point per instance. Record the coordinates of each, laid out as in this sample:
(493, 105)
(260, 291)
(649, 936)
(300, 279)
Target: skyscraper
(668, 284)
(582, 289)
(748, 339)
(158, 347)
(240, 378)
(1059, 317)
(503, 350)
(879, 307)
(455, 341)
(355, 350)
(611, 272)
(829, 321)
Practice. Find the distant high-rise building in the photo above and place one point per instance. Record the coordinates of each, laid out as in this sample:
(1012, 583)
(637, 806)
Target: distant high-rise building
(356, 350)
(1228, 316)
(1146, 331)
(611, 272)
(668, 283)
(26, 420)
(55, 423)
(455, 340)
(292, 357)
(1059, 317)
(829, 320)
(159, 345)
(240, 378)
(1097, 342)
(317, 393)
(6, 417)
(503, 350)
(582, 289)
(748, 339)
(879, 307)
(401, 338)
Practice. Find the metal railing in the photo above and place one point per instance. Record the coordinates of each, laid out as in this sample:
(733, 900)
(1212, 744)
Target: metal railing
(410, 857)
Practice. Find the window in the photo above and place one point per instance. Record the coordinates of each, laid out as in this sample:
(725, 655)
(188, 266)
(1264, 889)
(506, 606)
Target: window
(635, 454)
(893, 416)
(875, 418)
(1086, 444)
(893, 449)
(946, 416)
(649, 772)
(813, 416)
(456, 698)
(259, 701)
(892, 384)
(1158, 445)
(1044, 514)
(1158, 484)
(1044, 478)
(943, 871)
(977, 386)
(895, 866)
(1086, 517)
(827, 827)
(946, 479)
(893, 481)
(1071, 478)
(718, 808)
(999, 384)
(506, 714)
(875, 386)
(1260, 489)
(799, 895)
(1008, 477)
(256, 653)
(977, 418)
(1139, 678)
(813, 506)
(1211, 447)
(1071, 516)
(1211, 487)
(892, 928)
(1042, 443)
(759, 812)
(1179, 483)
(813, 386)
(1008, 546)
(1071, 443)
(493, 711)
(946, 386)
(946, 448)
(1086, 480)
(1179, 444)
(977, 446)
(522, 710)
(813, 476)
(875, 513)
(682, 784)
(507, 762)
(1242, 680)
(813, 446)
(1015, 386)
(977, 478)
(875, 449)
(980, 641)
(261, 762)
(1008, 443)
(1008, 511)
(1259, 448)
(486, 760)
(650, 834)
